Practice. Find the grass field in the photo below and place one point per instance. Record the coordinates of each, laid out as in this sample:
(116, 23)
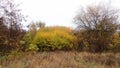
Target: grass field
(62, 59)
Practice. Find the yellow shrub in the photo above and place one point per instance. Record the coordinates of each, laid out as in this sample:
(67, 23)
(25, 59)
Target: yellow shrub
(115, 46)
(55, 38)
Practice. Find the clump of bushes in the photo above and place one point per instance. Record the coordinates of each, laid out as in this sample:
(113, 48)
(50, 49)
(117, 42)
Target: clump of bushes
(97, 41)
(55, 38)
(63, 38)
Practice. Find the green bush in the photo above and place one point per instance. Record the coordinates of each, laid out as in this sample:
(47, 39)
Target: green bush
(115, 45)
(26, 43)
(55, 38)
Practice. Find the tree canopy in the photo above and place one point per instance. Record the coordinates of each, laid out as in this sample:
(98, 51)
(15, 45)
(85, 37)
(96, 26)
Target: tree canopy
(97, 18)
(99, 24)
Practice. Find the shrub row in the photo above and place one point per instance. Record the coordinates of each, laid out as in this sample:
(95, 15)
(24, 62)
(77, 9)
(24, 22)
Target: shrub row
(63, 38)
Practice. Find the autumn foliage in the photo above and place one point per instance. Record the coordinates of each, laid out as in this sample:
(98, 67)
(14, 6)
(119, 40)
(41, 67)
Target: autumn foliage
(55, 38)
(98, 25)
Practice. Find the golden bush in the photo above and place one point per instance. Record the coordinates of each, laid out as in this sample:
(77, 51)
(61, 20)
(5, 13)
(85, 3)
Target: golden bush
(55, 38)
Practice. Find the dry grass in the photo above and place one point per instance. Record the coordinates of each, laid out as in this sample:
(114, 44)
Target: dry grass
(61, 59)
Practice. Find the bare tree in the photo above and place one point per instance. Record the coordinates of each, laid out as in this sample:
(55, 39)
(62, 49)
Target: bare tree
(33, 27)
(40, 24)
(100, 23)
(97, 18)
(11, 19)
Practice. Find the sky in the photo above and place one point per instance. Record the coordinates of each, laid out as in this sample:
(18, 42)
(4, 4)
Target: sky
(57, 12)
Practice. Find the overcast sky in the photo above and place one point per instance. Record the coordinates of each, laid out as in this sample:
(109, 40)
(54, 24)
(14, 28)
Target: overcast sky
(57, 12)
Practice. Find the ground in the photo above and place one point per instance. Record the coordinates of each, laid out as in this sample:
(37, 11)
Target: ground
(63, 59)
